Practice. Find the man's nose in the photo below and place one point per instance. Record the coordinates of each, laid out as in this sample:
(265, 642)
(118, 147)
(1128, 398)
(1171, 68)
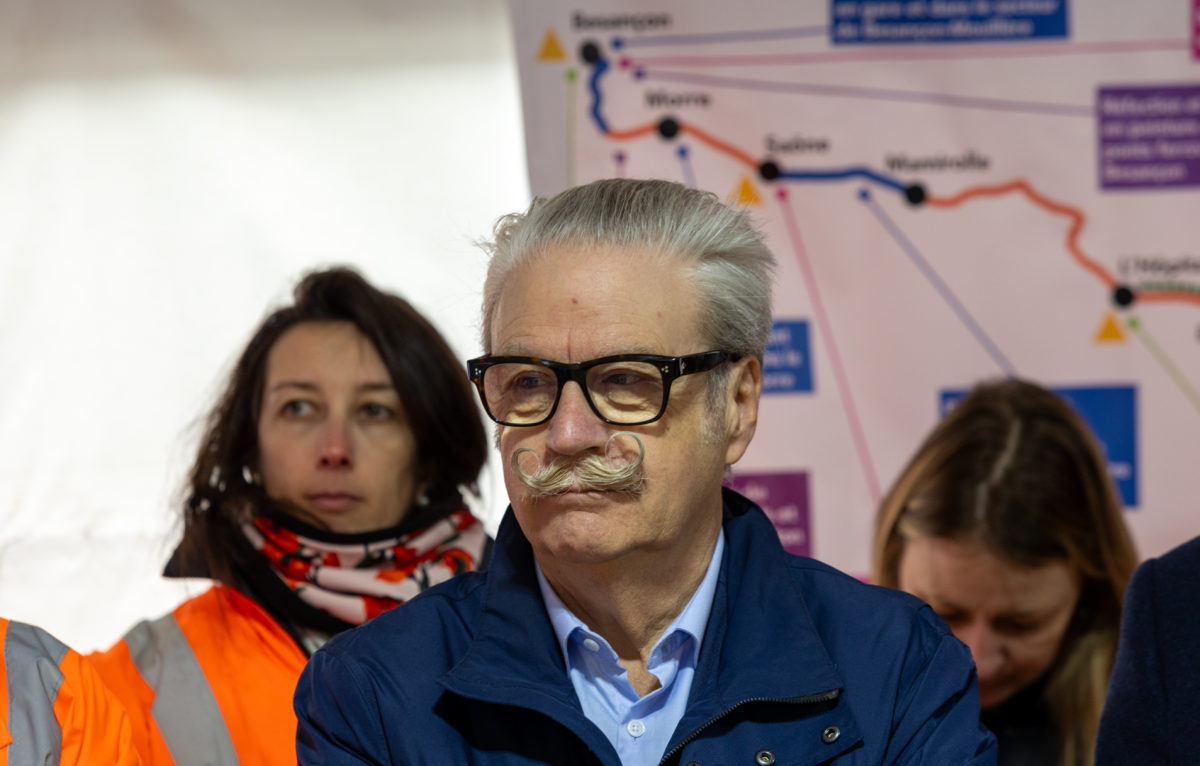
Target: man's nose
(575, 428)
(335, 445)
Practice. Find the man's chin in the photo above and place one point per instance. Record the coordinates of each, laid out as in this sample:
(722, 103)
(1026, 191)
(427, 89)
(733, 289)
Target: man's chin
(575, 523)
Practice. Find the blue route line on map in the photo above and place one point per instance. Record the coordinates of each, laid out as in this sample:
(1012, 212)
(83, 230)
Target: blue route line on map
(880, 94)
(721, 37)
(947, 294)
(598, 70)
(837, 175)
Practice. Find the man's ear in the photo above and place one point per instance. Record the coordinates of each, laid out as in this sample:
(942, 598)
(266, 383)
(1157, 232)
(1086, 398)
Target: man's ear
(741, 411)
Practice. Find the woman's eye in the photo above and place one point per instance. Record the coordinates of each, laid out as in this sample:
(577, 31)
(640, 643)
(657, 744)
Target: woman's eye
(298, 408)
(376, 411)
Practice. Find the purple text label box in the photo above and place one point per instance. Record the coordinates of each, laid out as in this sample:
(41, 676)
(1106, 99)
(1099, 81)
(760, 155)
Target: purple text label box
(1149, 136)
(784, 498)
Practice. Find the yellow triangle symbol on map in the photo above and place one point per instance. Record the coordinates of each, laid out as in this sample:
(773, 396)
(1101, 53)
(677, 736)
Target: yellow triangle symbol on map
(746, 194)
(552, 49)
(1110, 330)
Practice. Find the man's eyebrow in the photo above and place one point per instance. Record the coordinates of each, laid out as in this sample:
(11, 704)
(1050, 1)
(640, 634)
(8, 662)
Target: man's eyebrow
(634, 349)
(517, 349)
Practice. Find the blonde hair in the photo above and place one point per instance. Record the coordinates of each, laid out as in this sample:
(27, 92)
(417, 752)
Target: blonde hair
(1014, 468)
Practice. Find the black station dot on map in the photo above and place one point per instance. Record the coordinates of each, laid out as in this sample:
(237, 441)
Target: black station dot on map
(668, 128)
(769, 171)
(1122, 296)
(589, 52)
(915, 194)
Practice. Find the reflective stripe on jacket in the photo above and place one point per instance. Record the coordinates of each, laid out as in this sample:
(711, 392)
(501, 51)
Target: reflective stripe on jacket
(54, 708)
(209, 684)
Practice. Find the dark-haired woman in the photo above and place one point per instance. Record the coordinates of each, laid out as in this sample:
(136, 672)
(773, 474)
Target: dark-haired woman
(326, 490)
(1006, 522)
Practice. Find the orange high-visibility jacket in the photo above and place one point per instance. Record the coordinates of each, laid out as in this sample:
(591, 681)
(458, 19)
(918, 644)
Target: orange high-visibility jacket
(54, 708)
(210, 683)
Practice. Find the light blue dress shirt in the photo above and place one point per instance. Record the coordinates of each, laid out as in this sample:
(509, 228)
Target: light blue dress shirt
(638, 727)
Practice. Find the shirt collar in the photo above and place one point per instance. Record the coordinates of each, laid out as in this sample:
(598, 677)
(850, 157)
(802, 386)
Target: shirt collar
(692, 620)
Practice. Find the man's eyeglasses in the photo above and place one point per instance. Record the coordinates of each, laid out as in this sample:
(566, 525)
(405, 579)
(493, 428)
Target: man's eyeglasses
(623, 390)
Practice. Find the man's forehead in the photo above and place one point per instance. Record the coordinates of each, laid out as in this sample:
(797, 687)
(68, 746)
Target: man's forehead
(601, 269)
(598, 302)
(582, 335)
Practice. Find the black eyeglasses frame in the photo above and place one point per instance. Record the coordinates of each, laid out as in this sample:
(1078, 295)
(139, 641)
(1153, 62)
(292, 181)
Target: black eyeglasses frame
(670, 367)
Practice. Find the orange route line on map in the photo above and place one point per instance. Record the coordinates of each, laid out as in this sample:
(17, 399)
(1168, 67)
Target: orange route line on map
(1078, 219)
(1076, 216)
(692, 130)
(629, 133)
(720, 145)
(1167, 296)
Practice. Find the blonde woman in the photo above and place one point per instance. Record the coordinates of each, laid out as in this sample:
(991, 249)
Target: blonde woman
(1006, 522)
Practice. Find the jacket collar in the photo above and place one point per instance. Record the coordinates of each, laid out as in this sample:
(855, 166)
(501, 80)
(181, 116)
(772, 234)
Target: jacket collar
(761, 643)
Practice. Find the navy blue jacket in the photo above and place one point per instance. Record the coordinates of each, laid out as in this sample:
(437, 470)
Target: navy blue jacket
(800, 665)
(1152, 714)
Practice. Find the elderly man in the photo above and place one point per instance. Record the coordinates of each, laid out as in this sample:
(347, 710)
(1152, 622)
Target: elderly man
(635, 612)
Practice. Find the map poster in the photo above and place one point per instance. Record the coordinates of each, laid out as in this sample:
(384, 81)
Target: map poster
(955, 190)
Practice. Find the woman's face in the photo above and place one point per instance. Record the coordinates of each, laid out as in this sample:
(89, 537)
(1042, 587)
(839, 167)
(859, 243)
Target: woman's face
(333, 437)
(1013, 618)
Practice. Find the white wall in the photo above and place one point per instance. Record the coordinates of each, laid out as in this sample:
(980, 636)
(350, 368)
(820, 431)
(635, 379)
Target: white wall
(167, 170)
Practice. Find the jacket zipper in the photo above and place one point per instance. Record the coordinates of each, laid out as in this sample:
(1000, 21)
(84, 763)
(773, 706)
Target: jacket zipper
(832, 694)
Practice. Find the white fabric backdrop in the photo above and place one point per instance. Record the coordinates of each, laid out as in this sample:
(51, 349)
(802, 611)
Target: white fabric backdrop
(167, 170)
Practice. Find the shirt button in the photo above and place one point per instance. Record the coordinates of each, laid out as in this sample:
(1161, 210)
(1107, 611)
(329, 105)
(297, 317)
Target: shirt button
(591, 645)
(635, 728)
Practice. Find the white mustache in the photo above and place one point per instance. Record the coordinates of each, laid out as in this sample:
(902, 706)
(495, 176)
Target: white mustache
(584, 474)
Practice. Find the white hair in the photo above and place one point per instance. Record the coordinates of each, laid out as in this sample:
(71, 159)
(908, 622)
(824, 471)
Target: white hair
(717, 246)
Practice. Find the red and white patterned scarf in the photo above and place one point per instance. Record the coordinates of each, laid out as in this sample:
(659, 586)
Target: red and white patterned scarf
(357, 581)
